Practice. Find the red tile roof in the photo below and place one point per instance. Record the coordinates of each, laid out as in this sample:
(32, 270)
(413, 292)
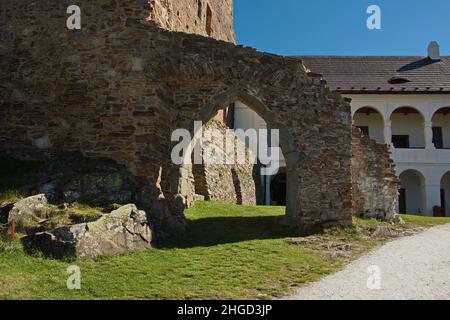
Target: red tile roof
(382, 74)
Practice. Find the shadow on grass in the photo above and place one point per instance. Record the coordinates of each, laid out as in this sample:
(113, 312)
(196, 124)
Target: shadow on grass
(212, 231)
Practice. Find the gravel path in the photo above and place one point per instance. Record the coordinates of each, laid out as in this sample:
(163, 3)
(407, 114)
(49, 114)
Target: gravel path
(412, 268)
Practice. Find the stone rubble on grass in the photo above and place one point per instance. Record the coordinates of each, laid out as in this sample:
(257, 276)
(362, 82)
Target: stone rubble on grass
(123, 230)
(385, 232)
(33, 208)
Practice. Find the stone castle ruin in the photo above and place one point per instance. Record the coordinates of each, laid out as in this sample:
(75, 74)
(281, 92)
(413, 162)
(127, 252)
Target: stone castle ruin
(211, 18)
(139, 69)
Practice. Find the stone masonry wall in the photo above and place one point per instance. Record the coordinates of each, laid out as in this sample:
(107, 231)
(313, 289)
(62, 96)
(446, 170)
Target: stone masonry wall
(119, 87)
(233, 183)
(212, 18)
(375, 185)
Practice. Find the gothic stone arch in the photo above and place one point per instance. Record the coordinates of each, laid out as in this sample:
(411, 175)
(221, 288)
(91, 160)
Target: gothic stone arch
(309, 137)
(292, 156)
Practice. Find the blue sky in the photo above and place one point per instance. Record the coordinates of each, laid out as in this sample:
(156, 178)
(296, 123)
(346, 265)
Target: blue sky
(338, 27)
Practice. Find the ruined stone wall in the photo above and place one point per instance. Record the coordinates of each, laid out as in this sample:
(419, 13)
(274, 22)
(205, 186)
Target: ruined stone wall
(120, 86)
(212, 18)
(375, 185)
(88, 90)
(231, 183)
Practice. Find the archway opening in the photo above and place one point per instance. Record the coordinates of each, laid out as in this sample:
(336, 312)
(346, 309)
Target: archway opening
(408, 128)
(441, 128)
(411, 194)
(370, 122)
(228, 170)
(242, 112)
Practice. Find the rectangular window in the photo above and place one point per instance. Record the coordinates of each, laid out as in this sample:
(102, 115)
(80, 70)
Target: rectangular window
(364, 130)
(400, 142)
(438, 138)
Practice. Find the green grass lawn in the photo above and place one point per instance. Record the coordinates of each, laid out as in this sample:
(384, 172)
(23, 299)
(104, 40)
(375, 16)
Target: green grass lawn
(425, 222)
(229, 252)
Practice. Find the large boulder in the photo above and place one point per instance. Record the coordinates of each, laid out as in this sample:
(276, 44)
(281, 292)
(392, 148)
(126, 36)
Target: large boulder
(123, 230)
(29, 209)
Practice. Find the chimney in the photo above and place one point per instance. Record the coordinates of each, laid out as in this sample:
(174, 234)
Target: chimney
(434, 51)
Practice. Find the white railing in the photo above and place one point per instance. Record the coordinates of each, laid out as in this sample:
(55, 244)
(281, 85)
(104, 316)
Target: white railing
(435, 156)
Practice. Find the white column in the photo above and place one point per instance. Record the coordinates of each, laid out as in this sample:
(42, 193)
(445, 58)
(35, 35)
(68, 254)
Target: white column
(433, 198)
(388, 132)
(428, 132)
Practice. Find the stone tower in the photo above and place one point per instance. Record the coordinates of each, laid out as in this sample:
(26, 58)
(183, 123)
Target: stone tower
(212, 18)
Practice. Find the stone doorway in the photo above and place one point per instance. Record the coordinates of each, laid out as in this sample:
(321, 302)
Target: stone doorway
(190, 174)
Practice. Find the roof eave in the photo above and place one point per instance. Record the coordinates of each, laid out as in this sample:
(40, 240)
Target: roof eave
(392, 92)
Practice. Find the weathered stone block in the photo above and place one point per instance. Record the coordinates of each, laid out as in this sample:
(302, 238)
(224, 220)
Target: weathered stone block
(31, 208)
(123, 230)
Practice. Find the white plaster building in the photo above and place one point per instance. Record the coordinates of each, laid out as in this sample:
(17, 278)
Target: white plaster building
(400, 101)
(417, 127)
